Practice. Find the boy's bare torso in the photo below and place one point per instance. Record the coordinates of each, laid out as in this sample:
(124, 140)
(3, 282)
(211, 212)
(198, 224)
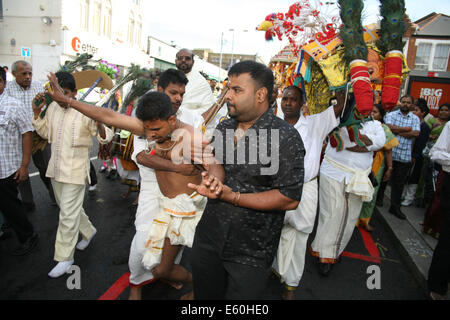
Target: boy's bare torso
(170, 183)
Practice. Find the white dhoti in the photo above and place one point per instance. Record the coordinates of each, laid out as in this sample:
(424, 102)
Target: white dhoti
(298, 224)
(338, 213)
(177, 221)
(148, 207)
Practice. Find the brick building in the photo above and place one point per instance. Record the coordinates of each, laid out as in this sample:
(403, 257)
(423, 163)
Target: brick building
(427, 51)
(428, 43)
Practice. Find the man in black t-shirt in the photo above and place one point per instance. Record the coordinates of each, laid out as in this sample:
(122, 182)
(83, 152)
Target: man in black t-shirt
(259, 177)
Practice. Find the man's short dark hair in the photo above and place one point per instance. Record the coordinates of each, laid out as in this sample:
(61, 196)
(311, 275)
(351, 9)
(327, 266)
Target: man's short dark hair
(187, 50)
(3, 74)
(153, 106)
(258, 72)
(408, 96)
(66, 80)
(174, 76)
(298, 90)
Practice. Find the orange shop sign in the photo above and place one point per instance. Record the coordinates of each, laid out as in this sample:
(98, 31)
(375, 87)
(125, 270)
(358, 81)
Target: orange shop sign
(81, 47)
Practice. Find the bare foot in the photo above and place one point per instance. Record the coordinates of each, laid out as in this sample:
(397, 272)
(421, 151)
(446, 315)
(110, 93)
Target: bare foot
(288, 295)
(188, 296)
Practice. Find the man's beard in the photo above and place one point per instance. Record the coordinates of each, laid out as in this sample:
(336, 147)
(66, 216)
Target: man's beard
(184, 68)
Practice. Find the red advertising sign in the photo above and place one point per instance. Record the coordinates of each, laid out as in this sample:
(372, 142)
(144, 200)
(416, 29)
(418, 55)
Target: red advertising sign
(435, 93)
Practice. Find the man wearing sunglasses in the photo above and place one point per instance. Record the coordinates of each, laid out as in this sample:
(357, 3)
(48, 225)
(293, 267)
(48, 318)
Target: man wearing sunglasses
(198, 97)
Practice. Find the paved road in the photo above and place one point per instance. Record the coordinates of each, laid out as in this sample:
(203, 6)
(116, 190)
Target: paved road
(103, 266)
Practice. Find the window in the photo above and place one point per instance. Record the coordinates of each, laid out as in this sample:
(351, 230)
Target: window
(96, 18)
(134, 29)
(130, 29)
(137, 34)
(106, 19)
(84, 14)
(423, 56)
(432, 55)
(441, 57)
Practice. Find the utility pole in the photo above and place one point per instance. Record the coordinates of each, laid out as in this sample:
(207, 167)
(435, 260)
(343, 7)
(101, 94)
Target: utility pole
(220, 63)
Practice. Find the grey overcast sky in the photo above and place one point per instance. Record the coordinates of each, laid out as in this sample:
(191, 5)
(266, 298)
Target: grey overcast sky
(200, 23)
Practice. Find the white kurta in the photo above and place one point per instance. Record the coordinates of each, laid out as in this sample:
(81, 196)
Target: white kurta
(70, 134)
(440, 152)
(299, 223)
(198, 96)
(340, 205)
(360, 161)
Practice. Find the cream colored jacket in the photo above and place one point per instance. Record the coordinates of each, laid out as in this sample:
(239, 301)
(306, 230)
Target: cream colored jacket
(70, 134)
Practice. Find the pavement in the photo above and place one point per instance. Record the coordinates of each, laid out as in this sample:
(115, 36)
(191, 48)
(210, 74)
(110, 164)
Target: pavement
(415, 246)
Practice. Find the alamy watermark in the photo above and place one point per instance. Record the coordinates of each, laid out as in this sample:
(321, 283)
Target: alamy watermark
(374, 280)
(74, 280)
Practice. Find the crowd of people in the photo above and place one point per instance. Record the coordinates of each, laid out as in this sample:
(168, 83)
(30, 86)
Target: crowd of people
(217, 193)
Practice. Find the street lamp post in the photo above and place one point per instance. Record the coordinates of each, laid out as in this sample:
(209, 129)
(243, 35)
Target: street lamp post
(232, 50)
(220, 63)
(232, 45)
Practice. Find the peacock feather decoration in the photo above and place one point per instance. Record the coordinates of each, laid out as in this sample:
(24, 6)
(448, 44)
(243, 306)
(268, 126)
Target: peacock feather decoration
(80, 63)
(392, 25)
(142, 84)
(352, 31)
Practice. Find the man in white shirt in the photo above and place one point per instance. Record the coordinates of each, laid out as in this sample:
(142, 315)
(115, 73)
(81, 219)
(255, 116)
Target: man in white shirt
(24, 89)
(438, 274)
(344, 185)
(198, 97)
(299, 223)
(15, 153)
(9, 76)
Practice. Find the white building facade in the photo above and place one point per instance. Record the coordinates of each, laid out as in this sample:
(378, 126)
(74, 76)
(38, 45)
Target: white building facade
(53, 31)
(47, 33)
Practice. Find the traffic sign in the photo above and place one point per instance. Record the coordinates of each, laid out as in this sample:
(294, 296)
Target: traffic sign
(26, 52)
